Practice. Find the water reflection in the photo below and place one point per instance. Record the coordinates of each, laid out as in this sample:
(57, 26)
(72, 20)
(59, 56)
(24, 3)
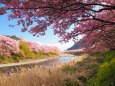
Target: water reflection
(57, 60)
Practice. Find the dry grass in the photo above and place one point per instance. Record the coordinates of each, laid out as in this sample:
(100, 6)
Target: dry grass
(40, 76)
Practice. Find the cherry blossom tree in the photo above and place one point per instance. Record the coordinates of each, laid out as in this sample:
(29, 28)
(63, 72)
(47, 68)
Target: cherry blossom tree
(95, 19)
(8, 45)
(35, 47)
(12, 46)
(43, 48)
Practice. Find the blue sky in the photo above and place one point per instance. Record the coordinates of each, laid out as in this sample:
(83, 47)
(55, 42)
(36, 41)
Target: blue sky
(48, 39)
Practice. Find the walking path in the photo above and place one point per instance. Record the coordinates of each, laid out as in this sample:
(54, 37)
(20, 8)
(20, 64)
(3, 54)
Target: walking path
(35, 61)
(22, 63)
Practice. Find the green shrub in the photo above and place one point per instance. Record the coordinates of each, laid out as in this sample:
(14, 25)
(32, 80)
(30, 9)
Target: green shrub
(107, 55)
(69, 82)
(8, 58)
(25, 51)
(105, 75)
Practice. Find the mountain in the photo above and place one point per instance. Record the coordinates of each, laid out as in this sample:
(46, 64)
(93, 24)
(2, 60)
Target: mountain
(77, 45)
(13, 37)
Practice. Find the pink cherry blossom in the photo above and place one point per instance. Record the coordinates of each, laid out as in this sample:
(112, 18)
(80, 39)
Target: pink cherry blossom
(43, 48)
(95, 19)
(8, 45)
(82, 50)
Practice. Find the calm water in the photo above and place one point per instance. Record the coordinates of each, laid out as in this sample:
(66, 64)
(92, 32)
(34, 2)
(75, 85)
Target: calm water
(58, 60)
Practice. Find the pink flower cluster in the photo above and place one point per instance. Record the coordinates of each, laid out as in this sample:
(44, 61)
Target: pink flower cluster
(8, 45)
(50, 49)
(43, 48)
(82, 50)
(69, 18)
(35, 46)
(11, 46)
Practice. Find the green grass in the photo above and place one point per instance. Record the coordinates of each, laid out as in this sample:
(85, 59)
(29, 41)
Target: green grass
(83, 70)
(106, 72)
(69, 69)
(105, 75)
(69, 82)
(19, 57)
(97, 70)
(107, 55)
(8, 59)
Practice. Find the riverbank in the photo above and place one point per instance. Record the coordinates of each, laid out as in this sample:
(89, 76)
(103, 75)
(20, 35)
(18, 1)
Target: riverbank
(34, 61)
(16, 59)
(72, 62)
(31, 63)
(75, 73)
(39, 75)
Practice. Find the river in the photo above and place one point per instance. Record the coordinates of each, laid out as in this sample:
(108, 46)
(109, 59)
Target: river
(57, 60)
(7, 68)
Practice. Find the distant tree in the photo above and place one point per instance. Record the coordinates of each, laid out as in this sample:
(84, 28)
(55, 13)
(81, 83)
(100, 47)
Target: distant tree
(95, 19)
(8, 46)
